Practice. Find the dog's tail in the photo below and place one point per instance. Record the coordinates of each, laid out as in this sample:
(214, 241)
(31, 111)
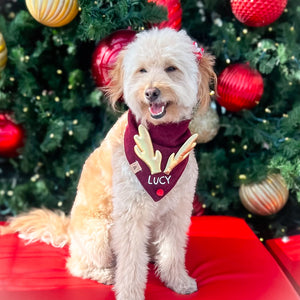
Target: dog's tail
(40, 225)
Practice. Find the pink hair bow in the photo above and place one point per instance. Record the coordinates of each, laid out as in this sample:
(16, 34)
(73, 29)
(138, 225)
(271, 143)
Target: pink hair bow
(197, 50)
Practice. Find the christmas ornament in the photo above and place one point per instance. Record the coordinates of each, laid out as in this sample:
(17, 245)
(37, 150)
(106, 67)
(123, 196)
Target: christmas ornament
(53, 13)
(11, 136)
(174, 13)
(257, 13)
(105, 55)
(265, 198)
(239, 87)
(3, 53)
(206, 125)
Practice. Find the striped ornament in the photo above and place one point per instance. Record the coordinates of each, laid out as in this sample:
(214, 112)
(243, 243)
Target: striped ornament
(53, 13)
(239, 87)
(265, 198)
(3, 53)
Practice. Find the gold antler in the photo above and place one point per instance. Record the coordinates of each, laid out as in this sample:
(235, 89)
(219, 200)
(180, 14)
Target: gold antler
(144, 150)
(182, 153)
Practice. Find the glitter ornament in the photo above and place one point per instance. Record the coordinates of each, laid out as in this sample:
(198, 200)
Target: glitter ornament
(174, 13)
(53, 13)
(11, 136)
(257, 13)
(206, 125)
(106, 53)
(239, 87)
(266, 197)
(3, 53)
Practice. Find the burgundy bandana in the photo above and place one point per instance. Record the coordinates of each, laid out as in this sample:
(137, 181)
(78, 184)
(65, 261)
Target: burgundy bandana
(158, 155)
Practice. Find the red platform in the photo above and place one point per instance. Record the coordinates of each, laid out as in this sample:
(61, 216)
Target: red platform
(287, 253)
(224, 255)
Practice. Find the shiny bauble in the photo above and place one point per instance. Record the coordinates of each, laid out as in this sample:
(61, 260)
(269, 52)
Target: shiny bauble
(53, 13)
(266, 197)
(11, 136)
(239, 87)
(257, 13)
(106, 53)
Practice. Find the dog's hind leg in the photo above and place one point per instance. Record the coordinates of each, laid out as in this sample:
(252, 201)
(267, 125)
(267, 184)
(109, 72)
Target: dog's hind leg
(90, 253)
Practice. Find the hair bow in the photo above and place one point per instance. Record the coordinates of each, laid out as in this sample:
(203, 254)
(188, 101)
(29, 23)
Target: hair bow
(197, 50)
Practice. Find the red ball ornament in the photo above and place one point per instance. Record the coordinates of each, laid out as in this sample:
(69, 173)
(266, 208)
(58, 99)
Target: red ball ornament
(239, 87)
(257, 13)
(174, 13)
(106, 53)
(11, 136)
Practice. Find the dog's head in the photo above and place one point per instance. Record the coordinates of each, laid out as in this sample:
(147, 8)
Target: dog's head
(160, 77)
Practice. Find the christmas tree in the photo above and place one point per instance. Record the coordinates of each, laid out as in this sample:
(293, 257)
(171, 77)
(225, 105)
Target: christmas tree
(50, 100)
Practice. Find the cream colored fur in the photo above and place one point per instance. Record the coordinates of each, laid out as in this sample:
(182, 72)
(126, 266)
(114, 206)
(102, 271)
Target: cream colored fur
(114, 226)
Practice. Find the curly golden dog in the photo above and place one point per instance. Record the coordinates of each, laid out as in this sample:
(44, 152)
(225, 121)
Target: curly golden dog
(134, 197)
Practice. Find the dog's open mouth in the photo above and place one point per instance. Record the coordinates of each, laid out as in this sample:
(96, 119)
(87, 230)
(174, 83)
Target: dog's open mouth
(157, 110)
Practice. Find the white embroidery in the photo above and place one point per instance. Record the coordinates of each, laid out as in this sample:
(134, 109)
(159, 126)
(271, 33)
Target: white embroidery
(159, 180)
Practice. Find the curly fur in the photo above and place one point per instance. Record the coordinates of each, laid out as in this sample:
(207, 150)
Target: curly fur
(114, 227)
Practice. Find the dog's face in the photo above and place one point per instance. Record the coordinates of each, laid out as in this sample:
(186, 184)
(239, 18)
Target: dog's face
(160, 78)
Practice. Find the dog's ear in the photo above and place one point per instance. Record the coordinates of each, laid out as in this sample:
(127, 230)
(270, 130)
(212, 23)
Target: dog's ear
(207, 79)
(114, 90)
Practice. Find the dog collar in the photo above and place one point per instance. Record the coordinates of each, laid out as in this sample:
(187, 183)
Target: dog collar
(158, 154)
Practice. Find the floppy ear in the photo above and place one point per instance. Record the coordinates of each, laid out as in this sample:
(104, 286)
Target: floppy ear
(207, 78)
(114, 90)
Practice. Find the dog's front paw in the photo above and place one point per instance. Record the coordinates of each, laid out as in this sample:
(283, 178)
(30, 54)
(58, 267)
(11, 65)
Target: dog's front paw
(130, 295)
(185, 285)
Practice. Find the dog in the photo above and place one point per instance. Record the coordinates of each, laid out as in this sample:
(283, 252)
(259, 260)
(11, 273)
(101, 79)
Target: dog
(119, 222)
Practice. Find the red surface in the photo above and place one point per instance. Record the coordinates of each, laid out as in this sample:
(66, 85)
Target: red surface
(287, 253)
(223, 254)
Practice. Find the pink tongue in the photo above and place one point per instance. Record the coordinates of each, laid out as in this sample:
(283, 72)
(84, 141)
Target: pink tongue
(156, 109)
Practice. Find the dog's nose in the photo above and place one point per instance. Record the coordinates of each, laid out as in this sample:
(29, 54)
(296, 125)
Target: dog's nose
(152, 94)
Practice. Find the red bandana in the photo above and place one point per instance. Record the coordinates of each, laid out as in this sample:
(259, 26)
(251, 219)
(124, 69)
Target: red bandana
(159, 155)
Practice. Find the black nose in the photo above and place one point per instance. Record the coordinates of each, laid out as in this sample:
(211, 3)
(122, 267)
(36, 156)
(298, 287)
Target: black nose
(152, 94)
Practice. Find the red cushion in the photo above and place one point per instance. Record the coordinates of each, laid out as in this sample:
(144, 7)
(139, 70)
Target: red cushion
(223, 254)
(287, 252)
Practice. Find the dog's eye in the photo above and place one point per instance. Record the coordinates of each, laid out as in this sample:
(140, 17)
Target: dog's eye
(143, 70)
(170, 69)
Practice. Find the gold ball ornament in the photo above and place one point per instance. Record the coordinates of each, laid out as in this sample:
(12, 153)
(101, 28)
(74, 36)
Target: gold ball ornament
(3, 53)
(206, 125)
(265, 198)
(53, 13)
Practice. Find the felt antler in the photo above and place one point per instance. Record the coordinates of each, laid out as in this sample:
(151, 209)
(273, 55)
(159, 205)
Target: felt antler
(182, 153)
(144, 150)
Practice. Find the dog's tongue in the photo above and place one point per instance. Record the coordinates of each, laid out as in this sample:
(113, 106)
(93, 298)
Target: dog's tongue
(156, 109)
